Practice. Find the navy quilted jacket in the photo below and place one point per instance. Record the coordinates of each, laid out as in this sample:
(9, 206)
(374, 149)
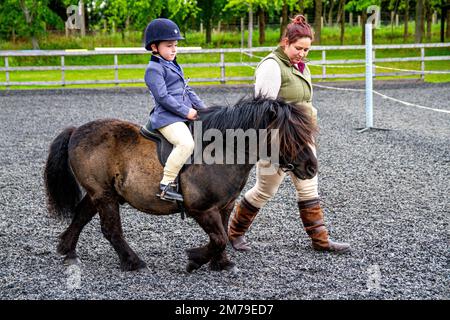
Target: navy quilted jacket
(173, 97)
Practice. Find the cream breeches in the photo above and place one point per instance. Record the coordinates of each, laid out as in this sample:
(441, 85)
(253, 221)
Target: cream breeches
(267, 185)
(179, 135)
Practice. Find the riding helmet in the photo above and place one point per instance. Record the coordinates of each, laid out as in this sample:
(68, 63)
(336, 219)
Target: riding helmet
(161, 30)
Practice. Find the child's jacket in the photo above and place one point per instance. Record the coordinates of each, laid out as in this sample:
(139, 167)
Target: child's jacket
(173, 97)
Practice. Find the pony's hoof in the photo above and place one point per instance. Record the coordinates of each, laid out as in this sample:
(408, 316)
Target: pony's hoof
(228, 266)
(233, 270)
(144, 270)
(192, 266)
(134, 266)
(72, 261)
(215, 266)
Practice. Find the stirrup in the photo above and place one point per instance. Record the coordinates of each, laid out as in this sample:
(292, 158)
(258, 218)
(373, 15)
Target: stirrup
(166, 192)
(167, 187)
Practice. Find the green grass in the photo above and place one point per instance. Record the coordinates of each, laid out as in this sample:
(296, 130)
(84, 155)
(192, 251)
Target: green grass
(330, 36)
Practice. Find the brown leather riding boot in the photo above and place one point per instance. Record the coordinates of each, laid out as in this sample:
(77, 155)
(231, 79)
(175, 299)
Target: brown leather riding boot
(312, 217)
(242, 219)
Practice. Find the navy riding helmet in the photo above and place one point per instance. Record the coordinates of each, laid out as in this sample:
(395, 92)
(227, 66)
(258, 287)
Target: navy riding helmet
(161, 30)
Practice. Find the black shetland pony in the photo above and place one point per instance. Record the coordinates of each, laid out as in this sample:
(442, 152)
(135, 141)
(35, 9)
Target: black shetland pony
(114, 164)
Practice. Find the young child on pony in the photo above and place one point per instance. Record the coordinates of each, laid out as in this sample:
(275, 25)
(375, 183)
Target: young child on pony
(175, 102)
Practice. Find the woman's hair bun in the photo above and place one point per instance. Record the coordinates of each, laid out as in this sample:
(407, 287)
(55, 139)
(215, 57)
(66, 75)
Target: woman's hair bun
(299, 19)
(298, 28)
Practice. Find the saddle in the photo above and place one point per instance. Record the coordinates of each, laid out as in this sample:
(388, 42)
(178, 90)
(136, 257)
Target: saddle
(164, 147)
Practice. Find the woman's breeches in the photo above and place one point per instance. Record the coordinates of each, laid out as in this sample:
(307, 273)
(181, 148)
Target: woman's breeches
(268, 180)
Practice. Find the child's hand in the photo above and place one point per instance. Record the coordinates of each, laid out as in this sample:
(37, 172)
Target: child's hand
(192, 115)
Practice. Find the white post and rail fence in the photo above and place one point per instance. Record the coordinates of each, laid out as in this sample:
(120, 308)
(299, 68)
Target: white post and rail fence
(115, 65)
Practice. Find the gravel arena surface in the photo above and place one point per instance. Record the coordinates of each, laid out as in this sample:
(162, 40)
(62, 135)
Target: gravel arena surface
(385, 192)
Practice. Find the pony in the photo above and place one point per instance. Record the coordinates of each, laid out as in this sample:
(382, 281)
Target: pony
(96, 167)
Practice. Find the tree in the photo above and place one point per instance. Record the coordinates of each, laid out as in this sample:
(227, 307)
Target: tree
(12, 21)
(430, 7)
(394, 6)
(330, 13)
(301, 6)
(339, 14)
(127, 14)
(341, 19)
(210, 9)
(247, 6)
(428, 17)
(145, 11)
(28, 18)
(182, 12)
(261, 25)
(405, 30)
(59, 7)
(448, 20)
(206, 15)
(284, 17)
(271, 7)
(318, 20)
(419, 21)
(424, 11)
(286, 7)
(118, 13)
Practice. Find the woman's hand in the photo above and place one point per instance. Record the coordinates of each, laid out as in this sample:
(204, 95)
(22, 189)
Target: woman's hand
(192, 115)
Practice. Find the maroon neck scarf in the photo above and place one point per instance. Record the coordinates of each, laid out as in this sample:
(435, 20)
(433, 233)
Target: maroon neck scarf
(301, 66)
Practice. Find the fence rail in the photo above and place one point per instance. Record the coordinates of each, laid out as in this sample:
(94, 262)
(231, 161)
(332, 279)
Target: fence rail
(323, 63)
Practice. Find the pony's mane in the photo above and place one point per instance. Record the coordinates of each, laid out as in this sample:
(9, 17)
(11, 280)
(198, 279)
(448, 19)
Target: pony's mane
(245, 114)
(295, 125)
(296, 130)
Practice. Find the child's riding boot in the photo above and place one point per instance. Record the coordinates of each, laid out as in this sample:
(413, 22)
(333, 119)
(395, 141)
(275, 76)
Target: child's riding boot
(169, 192)
(312, 217)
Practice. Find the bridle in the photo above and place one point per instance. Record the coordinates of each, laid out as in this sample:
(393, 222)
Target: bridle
(287, 167)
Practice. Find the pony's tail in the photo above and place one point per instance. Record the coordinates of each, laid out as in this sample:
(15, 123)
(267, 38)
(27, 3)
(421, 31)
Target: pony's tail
(63, 191)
